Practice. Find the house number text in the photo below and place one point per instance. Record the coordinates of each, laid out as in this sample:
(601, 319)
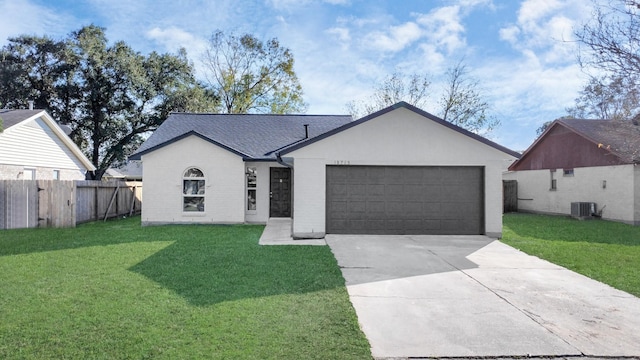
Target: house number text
(341, 162)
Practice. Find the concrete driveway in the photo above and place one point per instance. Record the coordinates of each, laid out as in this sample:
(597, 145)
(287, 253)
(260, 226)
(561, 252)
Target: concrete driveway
(471, 296)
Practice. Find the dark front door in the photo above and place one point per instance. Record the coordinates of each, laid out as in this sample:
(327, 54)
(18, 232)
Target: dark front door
(280, 193)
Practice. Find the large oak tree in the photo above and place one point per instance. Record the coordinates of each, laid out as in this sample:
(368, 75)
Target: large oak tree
(109, 94)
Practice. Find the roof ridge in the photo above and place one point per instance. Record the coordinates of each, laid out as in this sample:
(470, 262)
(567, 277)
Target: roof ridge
(252, 115)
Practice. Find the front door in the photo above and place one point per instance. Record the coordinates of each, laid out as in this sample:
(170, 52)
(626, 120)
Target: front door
(280, 193)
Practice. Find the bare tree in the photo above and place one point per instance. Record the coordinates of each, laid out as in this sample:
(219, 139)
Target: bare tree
(607, 98)
(397, 87)
(611, 40)
(249, 75)
(463, 104)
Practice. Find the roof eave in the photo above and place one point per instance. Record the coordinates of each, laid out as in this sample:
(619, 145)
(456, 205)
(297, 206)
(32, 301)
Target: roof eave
(138, 154)
(66, 140)
(407, 106)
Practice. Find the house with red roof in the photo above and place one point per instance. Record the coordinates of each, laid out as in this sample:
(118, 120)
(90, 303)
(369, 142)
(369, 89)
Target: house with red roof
(577, 161)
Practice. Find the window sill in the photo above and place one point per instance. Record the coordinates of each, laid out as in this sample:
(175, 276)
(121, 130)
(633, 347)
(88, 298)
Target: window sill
(194, 214)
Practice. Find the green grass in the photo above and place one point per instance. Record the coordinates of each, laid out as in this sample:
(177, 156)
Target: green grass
(116, 290)
(603, 250)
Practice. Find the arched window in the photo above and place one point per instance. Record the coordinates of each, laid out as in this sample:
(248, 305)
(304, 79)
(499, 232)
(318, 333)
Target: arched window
(193, 190)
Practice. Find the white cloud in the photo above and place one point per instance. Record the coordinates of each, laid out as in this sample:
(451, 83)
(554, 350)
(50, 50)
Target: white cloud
(527, 92)
(342, 33)
(396, 38)
(23, 17)
(532, 11)
(546, 27)
(173, 38)
(510, 34)
(444, 27)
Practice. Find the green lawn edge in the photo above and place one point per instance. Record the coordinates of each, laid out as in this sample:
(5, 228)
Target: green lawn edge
(603, 250)
(116, 290)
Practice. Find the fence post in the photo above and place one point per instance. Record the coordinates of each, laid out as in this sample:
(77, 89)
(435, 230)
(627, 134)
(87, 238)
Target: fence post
(113, 197)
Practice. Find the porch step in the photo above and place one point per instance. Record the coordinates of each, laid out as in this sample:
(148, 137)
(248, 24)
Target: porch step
(278, 232)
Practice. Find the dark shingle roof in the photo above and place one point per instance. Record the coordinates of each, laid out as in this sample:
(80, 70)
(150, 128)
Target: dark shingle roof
(12, 117)
(620, 137)
(252, 136)
(131, 170)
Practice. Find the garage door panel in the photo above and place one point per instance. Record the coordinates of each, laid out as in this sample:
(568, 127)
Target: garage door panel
(432, 177)
(337, 190)
(356, 207)
(356, 174)
(375, 177)
(431, 210)
(405, 200)
(374, 225)
(375, 191)
(460, 210)
(336, 208)
(394, 190)
(412, 191)
(433, 193)
(376, 208)
(413, 207)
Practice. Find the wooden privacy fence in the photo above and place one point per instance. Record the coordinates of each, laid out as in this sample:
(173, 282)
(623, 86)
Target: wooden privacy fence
(99, 200)
(509, 196)
(52, 203)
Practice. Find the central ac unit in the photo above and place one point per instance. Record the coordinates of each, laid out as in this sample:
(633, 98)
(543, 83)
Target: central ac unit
(583, 209)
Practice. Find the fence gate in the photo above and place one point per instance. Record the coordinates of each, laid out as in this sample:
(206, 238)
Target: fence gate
(57, 203)
(509, 196)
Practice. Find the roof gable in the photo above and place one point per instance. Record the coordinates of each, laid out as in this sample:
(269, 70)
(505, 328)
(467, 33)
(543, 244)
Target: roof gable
(14, 119)
(571, 143)
(409, 107)
(252, 136)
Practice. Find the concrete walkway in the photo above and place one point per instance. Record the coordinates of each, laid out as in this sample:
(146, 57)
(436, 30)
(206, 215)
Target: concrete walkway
(278, 232)
(470, 296)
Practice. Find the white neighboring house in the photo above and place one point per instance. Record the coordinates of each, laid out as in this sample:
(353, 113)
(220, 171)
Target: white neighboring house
(34, 147)
(582, 161)
(397, 171)
(130, 171)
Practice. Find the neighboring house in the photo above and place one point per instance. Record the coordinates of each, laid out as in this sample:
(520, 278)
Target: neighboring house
(130, 171)
(34, 147)
(575, 160)
(397, 171)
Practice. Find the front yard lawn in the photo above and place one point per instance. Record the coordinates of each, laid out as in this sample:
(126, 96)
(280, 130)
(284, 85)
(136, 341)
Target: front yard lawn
(603, 250)
(116, 290)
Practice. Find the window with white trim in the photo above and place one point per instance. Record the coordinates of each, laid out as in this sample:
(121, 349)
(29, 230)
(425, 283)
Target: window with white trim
(252, 188)
(29, 174)
(193, 187)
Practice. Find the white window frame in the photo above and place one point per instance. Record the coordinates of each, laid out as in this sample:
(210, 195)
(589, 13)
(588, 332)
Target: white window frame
(193, 188)
(251, 185)
(56, 174)
(27, 170)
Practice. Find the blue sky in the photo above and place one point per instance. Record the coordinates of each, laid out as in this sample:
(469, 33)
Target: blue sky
(521, 52)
